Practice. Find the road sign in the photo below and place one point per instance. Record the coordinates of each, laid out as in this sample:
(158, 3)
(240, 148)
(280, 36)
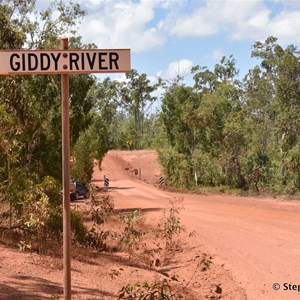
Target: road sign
(106, 182)
(64, 61)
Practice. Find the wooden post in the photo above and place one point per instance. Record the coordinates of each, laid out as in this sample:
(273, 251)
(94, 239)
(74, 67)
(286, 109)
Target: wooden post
(65, 95)
(9, 183)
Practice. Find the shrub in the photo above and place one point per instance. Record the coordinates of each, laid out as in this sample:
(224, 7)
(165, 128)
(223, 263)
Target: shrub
(170, 224)
(160, 290)
(131, 235)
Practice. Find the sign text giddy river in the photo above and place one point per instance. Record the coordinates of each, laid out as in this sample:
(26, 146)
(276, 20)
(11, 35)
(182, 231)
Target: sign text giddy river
(64, 61)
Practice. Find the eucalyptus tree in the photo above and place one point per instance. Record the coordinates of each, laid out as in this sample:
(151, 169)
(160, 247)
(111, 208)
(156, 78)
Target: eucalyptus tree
(288, 118)
(278, 93)
(137, 99)
(90, 146)
(107, 103)
(11, 37)
(195, 118)
(219, 97)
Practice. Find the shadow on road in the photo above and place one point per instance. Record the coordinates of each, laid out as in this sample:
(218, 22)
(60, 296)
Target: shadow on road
(143, 210)
(30, 287)
(120, 188)
(95, 180)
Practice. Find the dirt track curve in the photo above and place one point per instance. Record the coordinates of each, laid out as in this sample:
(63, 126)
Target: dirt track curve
(257, 240)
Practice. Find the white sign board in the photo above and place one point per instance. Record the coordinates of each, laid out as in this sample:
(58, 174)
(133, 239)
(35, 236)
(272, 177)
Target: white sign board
(64, 61)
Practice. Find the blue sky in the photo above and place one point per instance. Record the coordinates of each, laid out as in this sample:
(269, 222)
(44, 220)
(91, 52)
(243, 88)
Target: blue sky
(168, 37)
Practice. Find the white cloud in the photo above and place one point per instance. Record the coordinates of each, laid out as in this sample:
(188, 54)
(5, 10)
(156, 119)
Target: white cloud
(238, 20)
(181, 68)
(285, 26)
(91, 4)
(214, 17)
(256, 26)
(122, 24)
(176, 68)
(144, 25)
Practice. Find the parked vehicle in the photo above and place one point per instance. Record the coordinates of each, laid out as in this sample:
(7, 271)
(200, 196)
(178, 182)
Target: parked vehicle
(78, 189)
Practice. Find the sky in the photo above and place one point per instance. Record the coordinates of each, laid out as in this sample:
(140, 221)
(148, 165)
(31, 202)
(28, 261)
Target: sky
(168, 37)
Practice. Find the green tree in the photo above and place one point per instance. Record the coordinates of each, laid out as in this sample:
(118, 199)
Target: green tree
(90, 146)
(106, 96)
(137, 98)
(180, 122)
(234, 147)
(30, 106)
(195, 118)
(280, 72)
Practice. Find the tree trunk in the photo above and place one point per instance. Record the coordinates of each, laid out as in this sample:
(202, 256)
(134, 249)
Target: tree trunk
(282, 154)
(31, 147)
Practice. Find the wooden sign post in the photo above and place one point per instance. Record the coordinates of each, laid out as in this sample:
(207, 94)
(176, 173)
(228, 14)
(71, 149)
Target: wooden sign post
(66, 178)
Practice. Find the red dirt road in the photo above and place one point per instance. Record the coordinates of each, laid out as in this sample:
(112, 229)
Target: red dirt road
(254, 243)
(257, 240)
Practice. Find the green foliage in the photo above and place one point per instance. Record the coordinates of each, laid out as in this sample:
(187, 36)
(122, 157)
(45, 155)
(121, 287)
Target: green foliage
(171, 225)
(37, 212)
(10, 36)
(51, 188)
(243, 134)
(137, 99)
(293, 165)
(257, 169)
(132, 235)
(160, 290)
(91, 145)
(101, 209)
(195, 123)
(105, 95)
(94, 238)
(176, 167)
(178, 117)
(54, 223)
(30, 125)
(207, 168)
(156, 134)
(26, 195)
(32, 103)
(80, 230)
(126, 110)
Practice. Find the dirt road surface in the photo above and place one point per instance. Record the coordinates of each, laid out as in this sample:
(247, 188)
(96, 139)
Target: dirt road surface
(257, 240)
(254, 242)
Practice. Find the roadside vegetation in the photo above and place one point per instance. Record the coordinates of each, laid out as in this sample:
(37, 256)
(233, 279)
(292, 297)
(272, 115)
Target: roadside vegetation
(98, 229)
(127, 235)
(236, 134)
(222, 133)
